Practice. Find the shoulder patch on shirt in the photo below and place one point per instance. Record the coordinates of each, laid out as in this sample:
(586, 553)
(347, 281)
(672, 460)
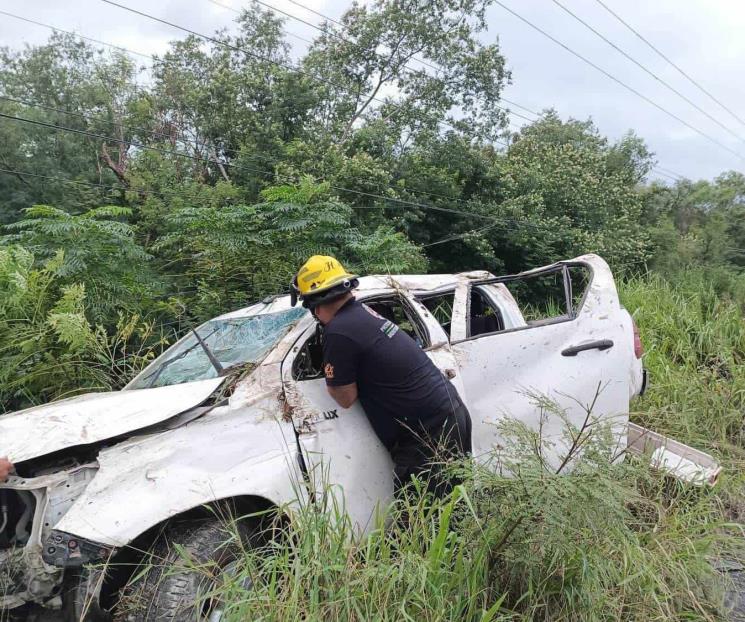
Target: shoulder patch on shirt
(389, 329)
(373, 313)
(328, 370)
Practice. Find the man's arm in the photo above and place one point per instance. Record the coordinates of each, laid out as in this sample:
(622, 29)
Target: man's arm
(345, 395)
(6, 466)
(340, 355)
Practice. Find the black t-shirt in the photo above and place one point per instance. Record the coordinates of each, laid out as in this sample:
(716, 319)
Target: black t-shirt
(396, 381)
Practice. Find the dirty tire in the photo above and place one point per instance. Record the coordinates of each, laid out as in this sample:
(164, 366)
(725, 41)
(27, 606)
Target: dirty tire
(173, 590)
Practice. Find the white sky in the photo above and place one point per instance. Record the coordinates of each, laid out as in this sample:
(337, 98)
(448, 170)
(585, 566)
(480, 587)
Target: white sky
(703, 37)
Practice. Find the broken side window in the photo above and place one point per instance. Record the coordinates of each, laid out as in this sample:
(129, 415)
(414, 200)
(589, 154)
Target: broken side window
(541, 297)
(395, 309)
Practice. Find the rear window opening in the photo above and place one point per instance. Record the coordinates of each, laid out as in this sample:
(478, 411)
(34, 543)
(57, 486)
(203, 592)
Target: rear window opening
(545, 297)
(550, 296)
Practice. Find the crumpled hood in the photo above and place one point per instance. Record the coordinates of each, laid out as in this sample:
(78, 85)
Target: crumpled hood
(95, 417)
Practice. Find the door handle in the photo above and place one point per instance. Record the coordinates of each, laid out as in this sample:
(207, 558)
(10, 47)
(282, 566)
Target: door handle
(601, 344)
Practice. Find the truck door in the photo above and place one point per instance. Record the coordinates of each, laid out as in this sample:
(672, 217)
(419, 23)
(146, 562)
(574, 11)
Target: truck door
(573, 346)
(339, 446)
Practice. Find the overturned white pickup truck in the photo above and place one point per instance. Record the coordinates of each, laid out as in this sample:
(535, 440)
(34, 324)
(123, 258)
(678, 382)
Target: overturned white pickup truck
(106, 476)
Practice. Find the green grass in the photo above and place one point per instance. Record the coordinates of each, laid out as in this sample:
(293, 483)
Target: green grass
(693, 330)
(604, 542)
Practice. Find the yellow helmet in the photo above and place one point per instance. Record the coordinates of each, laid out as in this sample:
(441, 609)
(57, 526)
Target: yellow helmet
(321, 279)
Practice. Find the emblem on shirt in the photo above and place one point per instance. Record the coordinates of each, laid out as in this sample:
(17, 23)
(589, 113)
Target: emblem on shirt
(389, 329)
(329, 371)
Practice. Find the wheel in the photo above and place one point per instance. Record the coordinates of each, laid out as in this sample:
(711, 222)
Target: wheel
(185, 563)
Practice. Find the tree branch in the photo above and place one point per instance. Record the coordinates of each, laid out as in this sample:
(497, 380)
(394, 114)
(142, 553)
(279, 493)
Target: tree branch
(118, 169)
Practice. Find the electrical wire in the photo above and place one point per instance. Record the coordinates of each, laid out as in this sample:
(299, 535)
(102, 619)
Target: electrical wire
(663, 174)
(458, 236)
(170, 152)
(149, 132)
(326, 17)
(646, 70)
(508, 223)
(664, 57)
(203, 159)
(89, 118)
(614, 78)
(670, 173)
(385, 199)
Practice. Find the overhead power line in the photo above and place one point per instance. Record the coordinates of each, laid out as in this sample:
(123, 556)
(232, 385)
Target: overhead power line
(667, 170)
(671, 176)
(75, 34)
(616, 80)
(435, 67)
(263, 159)
(153, 58)
(664, 57)
(89, 118)
(494, 221)
(646, 70)
(525, 108)
(128, 143)
(182, 140)
(414, 58)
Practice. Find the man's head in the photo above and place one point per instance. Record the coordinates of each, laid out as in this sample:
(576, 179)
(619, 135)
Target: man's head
(323, 286)
(325, 312)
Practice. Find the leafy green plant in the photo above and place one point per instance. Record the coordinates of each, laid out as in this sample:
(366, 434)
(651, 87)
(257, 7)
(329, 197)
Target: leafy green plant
(48, 347)
(97, 249)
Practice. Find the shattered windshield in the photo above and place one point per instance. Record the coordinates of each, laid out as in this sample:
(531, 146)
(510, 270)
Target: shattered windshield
(232, 341)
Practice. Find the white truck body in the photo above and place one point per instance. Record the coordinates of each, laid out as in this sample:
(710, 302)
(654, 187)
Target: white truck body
(161, 451)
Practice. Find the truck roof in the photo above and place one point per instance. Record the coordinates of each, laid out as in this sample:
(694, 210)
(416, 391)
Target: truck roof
(416, 283)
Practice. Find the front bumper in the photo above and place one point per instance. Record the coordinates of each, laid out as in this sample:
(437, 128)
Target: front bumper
(28, 573)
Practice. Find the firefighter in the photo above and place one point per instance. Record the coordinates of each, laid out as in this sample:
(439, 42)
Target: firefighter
(413, 408)
(5, 468)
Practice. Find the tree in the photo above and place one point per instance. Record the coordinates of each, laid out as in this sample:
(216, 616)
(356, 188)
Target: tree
(69, 84)
(235, 253)
(383, 47)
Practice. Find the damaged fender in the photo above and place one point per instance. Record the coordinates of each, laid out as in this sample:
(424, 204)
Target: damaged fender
(227, 453)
